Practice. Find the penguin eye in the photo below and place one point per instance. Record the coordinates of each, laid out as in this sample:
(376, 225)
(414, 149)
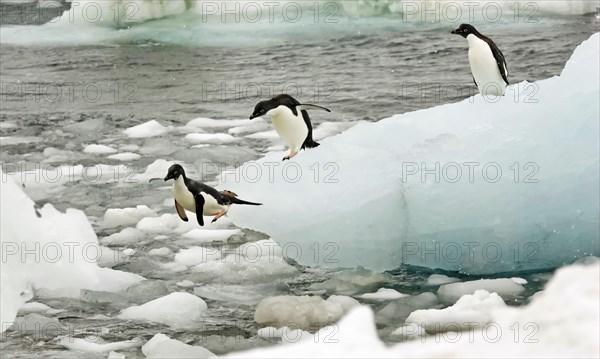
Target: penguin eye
(464, 30)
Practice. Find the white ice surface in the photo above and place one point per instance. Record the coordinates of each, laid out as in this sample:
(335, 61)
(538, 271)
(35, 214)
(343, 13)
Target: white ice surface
(161, 347)
(471, 310)
(302, 312)
(97, 345)
(55, 252)
(383, 294)
(506, 288)
(572, 330)
(124, 156)
(178, 310)
(370, 192)
(148, 129)
(114, 217)
(98, 149)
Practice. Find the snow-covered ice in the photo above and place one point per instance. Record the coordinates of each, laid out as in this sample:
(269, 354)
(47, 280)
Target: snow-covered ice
(439, 279)
(148, 129)
(382, 294)
(210, 235)
(469, 311)
(572, 330)
(124, 156)
(97, 345)
(178, 310)
(161, 346)
(506, 288)
(98, 149)
(114, 217)
(59, 246)
(302, 312)
(196, 255)
(471, 184)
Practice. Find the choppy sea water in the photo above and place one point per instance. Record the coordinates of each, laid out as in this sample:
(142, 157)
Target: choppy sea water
(64, 87)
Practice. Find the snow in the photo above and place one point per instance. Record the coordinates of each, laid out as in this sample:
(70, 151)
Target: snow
(478, 223)
(302, 312)
(179, 310)
(572, 296)
(469, 311)
(147, 129)
(505, 287)
(209, 138)
(161, 346)
(115, 217)
(96, 345)
(439, 279)
(124, 156)
(98, 149)
(382, 294)
(328, 129)
(55, 252)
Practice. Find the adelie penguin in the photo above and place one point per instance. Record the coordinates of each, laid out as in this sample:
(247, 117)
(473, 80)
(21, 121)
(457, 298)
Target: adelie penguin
(291, 121)
(488, 65)
(200, 198)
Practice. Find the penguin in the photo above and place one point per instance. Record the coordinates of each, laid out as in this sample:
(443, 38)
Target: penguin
(200, 198)
(291, 121)
(490, 73)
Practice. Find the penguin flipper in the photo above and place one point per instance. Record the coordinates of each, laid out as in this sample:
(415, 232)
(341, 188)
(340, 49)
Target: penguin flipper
(199, 208)
(500, 61)
(181, 211)
(308, 106)
(475, 82)
(308, 142)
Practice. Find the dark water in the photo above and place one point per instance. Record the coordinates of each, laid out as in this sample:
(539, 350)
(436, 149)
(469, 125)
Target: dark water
(68, 93)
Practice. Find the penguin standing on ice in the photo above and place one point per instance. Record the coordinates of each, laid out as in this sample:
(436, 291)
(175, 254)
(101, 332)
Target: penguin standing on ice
(200, 198)
(291, 121)
(488, 66)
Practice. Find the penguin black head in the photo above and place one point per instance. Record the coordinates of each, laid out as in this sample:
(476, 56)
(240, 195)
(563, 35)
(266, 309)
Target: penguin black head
(465, 30)
(174, 172)
(263, 107)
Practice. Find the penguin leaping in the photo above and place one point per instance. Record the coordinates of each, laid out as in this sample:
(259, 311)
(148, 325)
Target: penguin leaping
(291, 121)
(200, 198)
(488, 65)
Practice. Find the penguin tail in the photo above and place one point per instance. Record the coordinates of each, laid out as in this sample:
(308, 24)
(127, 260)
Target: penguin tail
(309, 143)
(241, 201)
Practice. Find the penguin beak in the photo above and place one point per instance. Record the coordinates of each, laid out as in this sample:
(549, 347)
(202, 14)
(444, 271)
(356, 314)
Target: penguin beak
(454, 32)
(167, 178)
(253, 116)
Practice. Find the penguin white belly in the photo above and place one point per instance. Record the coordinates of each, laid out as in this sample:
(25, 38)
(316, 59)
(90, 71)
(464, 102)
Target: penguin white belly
(211, 206)
(484, 68)
(183, 196)
(292, 129)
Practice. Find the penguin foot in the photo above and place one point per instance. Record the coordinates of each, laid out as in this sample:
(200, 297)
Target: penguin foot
(219, 215)
(290, 156)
